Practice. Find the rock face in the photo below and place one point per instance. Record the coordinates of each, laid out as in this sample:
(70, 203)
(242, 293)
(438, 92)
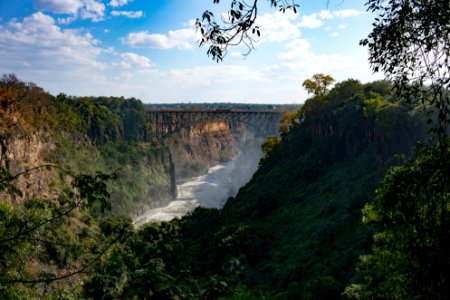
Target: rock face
(196, 148)
(41, 134)
(23, 153)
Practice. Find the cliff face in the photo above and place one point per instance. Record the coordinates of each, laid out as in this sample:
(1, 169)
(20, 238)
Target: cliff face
(24, 141)
(196, 148)
(41, 134)
(152, 183)
(24, 152)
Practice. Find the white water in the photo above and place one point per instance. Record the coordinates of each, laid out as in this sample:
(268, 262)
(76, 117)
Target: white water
(210, 191)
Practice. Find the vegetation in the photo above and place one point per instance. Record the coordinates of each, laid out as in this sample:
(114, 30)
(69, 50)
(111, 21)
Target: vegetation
(410, 214)
(410, 43)
(294, 231)
(237, 28)
(50, 236)
(93, 134)
(43, 241)
(409, 260)
(318, 84)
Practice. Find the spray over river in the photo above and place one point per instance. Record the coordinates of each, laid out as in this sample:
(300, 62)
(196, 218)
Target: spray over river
(210, 190)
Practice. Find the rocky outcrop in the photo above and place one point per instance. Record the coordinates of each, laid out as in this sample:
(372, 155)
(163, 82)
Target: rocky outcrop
(196, 148)
(23, 155)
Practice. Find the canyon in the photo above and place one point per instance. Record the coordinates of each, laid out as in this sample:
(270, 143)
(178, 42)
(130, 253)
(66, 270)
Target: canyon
(41, 135)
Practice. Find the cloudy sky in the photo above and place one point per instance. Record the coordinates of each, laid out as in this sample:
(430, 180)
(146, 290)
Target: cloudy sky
(148, 49)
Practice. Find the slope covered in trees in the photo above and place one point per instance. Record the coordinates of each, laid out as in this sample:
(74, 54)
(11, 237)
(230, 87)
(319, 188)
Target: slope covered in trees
(295, 229)
(58, 157)
(85, 134)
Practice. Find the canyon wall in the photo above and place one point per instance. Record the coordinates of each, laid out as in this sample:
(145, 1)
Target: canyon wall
(43, 138)
(41, 135)
(198, 147)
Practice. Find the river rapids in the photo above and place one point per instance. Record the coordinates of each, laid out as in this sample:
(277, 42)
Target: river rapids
(210, 190)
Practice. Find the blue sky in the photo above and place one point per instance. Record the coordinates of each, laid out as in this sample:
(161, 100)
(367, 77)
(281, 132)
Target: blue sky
(148, 49)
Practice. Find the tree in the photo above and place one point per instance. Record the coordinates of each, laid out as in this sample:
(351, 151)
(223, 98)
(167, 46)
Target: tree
(410, 43)
(41, 241)
(237, 28)
(270, 144)
(288, 121)
(410, 258)
(318, 84)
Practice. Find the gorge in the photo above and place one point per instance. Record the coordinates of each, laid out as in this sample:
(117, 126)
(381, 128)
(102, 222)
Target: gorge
(294, 230)
(198, 139)
(109, 134)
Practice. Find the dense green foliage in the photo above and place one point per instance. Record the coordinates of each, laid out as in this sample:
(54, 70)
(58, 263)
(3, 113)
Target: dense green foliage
(43, 241)
(295, 229)
(50, 236)
(412, 241)
(409, 42)
(106, 119)
(93, 134)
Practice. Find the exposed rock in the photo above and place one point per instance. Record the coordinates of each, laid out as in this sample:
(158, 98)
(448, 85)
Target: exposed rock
(25, 154)
(196, 148)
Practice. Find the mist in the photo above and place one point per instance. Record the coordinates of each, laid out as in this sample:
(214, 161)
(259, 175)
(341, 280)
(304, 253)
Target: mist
(214, 188)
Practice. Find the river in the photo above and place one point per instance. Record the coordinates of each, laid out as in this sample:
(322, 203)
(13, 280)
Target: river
(210, 190)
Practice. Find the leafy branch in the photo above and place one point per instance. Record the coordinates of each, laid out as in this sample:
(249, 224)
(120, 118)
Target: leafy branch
(70, 274)
(40, 225)
(236, 27)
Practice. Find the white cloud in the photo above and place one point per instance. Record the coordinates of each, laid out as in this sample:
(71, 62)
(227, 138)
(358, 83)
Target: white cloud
(86, 9)
(131, 60)
(299, 58)
(117, 3)
(311, 21)
(315, 20)
(66, 21)
(345, 13)
(206, 83)
(342, 26)
(325, 15)
(298, 48)
(58, 6)
(38, 44)
(179, 39)
(129, 14)
(278, 27)
(93, 10)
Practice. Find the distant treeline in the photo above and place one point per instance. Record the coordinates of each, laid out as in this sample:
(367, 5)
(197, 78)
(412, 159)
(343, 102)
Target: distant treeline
(225, 105)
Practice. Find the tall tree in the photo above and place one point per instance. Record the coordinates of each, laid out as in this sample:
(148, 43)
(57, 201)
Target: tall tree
(410, 43)
(318, 84)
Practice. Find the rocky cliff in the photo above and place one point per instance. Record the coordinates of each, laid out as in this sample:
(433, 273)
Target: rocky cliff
(198, 147)
(40, 135)
(23, 153)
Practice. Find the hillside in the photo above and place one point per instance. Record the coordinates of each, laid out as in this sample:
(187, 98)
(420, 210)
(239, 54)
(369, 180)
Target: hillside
(68, 165)
(83, 135)
(295, 229)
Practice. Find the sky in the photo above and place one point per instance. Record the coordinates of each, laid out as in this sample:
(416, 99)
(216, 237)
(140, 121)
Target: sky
(148, 49)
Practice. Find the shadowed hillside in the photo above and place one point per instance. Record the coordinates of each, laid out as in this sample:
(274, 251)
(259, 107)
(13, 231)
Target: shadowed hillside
(295, 229)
